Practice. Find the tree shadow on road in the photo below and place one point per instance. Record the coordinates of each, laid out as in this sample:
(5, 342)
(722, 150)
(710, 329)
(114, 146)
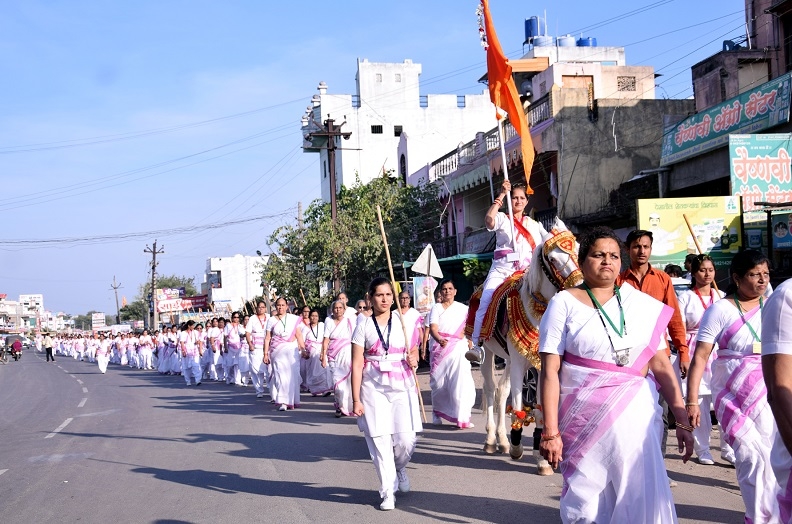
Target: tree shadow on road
(438, 506)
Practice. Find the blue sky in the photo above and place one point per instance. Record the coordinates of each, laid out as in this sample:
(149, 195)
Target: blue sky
(100, 101)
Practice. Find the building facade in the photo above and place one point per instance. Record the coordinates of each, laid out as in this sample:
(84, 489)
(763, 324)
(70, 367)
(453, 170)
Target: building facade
(230, 282)
(387, 107)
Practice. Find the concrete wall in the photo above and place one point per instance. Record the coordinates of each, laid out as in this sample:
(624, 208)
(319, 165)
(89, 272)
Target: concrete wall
(592, 162)
(605, 79)
(240, 279)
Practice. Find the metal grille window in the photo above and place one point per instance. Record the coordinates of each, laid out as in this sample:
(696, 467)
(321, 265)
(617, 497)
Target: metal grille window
(625, 83)
(378, 77)
(376, 130)
(460, 100)
(397, 130)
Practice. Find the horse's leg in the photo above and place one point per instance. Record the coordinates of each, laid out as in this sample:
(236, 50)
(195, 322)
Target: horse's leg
(488, 400)
(543, 467)
(519, 365)
(501, 395)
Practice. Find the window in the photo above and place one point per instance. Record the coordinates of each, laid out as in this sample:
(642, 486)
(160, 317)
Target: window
(378, 77)
(625, 83)
(543, 88)
(460, 100)
(398, 77)
(397, 130)
(423, 100)
(403, 169)
(355, 100)
(324, 168)
(376, 130)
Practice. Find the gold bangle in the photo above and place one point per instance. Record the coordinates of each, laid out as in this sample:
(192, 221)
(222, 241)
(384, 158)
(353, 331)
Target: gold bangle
(689, 404)
(545, 438)
(684, 427)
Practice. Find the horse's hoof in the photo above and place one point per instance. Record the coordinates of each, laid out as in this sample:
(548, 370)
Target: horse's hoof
(544, 471)
(490, 449)
(516, 452)
(503, 448)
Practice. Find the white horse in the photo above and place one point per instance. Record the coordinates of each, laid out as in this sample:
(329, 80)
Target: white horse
(554, 267)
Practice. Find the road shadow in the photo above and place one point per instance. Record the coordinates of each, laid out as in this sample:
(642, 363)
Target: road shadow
(708, 513)
(442, 507)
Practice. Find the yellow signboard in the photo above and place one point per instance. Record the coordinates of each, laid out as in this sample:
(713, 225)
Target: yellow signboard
(715, 222)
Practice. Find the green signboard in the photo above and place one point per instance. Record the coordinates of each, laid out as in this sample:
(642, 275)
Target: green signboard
(755, 110)
(761, 171)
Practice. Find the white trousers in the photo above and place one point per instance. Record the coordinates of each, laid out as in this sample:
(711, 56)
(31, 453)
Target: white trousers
(231, 366)
(191, 365)
(494, 279)
(390, 453)
(102, 360)
(258, 370)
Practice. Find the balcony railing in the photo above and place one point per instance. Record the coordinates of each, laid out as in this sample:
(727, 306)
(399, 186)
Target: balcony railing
(446, 247)
(546, 217)
(541, 110)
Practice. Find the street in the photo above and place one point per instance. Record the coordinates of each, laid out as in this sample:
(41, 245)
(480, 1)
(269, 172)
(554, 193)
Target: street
(136, 446)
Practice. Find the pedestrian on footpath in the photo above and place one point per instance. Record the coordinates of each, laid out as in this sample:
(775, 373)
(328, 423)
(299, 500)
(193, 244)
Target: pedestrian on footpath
(48, 347)
(383, 392)
(191, 353)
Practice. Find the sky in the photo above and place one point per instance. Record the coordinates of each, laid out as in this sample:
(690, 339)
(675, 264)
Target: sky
(129, 122)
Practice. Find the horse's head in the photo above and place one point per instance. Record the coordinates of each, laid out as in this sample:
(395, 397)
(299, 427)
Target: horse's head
(555, 263)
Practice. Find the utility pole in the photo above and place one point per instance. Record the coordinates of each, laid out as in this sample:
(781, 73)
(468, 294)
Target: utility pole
(154, 252)
(115, 288)
(331, 132)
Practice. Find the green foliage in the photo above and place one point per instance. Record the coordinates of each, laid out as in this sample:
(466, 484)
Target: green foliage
(169, 281)
(135, 310)
(475, 270)
(352, 244)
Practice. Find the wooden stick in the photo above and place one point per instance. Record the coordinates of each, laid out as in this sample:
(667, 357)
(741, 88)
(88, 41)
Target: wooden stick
(698, 247)
(401, 320)
(305, 302)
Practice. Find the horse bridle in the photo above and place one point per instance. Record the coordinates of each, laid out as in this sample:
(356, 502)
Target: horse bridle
(558, 280)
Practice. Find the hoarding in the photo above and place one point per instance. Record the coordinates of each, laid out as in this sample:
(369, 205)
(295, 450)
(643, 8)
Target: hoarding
(714, 220)
(754, 110)
(97, 320)
(761, 170)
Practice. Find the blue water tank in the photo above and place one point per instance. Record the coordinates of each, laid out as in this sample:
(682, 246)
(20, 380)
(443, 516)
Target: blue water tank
(543, 41)
(566, 41)
(587, 42)
(531, 28)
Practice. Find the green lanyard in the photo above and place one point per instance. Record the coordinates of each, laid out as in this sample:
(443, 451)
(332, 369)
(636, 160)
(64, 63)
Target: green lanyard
(622, 327)
(753, 332)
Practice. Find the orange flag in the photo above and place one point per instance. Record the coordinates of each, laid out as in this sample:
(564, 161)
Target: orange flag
(123, 302)
(503, 92)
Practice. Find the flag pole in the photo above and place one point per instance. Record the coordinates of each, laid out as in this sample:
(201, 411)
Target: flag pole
(401, 320)
(506, 177)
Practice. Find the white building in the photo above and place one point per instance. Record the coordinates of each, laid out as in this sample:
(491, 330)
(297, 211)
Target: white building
(388, 105)
(32, 303)
(230, 281)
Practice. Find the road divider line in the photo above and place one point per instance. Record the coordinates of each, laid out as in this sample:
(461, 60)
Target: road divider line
(72, 376)
(79, 381)
(60, 428)
(3, 471)
(85, 390)
(82, 402)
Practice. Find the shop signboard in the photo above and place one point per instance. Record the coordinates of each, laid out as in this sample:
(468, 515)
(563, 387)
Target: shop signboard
(782, 231)
(761, 171)
(757, 109)
(714, 220)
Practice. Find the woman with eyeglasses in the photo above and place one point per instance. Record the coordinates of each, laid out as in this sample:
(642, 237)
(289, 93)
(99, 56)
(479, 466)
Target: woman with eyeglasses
(693, 303)
(602, 420)
(735, 324)
(383, 391)
(318, 379)
(234, 333)
(282, 346)
(337, 356)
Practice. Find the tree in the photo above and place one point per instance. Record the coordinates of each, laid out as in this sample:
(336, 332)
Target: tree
(135, 310)
(306, 257)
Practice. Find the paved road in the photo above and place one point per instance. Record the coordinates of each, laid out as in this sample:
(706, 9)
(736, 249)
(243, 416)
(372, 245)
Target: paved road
(134, 446)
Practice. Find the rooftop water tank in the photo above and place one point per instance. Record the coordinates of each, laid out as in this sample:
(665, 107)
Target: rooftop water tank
(587, 42)
(531, 28)
(566, 41)
(543, 41)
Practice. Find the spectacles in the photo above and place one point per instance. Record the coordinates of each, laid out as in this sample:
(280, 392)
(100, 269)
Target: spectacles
(753, 276)
(234, 318)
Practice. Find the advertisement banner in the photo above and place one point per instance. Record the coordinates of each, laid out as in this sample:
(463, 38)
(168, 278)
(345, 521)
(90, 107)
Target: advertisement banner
(715, 222)
(196, 302)
(782, 231)
(97, 320)
(761, 171)
(180, 304)
(754, 110)
(168, 294)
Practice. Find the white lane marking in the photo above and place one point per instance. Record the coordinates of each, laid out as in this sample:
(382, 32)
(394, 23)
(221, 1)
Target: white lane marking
(79, 381)
(60, 428)
(3, 471)
(82, 402)
(98, 413)
(72, 376)
(85, 390)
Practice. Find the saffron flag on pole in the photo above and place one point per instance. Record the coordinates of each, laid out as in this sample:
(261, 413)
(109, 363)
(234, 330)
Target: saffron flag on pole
(503, 91)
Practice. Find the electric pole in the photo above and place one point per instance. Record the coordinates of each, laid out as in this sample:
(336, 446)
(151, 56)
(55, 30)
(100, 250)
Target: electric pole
(115, 288)
(332, 132)
(154, 252)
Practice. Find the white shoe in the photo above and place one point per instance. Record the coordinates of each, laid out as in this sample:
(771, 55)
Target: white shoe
(437, 421)
(672, 483)
(475, 354)
(283, 407)
(728, 458)
(388, 503)
(706, 460)
(404, 482)
(259, 395)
